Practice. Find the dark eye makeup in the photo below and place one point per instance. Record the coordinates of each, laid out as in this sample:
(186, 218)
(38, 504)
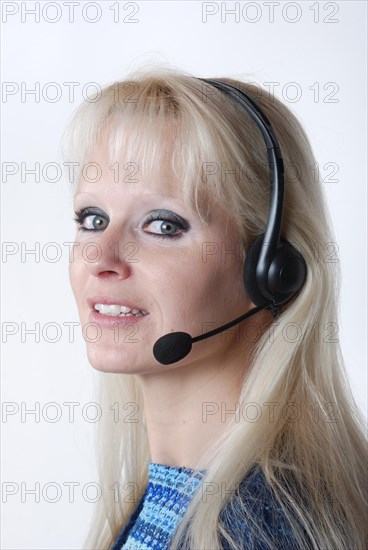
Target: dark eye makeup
(97, 220)
(95, 213)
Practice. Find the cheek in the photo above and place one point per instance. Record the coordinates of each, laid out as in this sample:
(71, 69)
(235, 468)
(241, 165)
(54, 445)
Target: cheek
(200, 290)
(225, 285)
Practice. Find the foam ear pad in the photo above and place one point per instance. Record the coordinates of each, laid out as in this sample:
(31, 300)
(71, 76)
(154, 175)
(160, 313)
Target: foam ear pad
(285, 277)
(249, 272)
(287, 272)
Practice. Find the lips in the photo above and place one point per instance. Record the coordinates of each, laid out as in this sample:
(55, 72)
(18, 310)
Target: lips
(103, 299)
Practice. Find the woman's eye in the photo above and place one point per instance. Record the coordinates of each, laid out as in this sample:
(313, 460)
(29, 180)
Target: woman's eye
(88, 220)
(167, 226)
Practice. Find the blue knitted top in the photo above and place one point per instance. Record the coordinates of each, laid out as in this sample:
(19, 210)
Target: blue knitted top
(160, 509)
(164, 502)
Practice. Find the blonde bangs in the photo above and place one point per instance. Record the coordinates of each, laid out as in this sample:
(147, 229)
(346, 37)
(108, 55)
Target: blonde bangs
(154, 130)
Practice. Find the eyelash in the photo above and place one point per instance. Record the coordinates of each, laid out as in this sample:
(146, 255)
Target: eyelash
(82, 214)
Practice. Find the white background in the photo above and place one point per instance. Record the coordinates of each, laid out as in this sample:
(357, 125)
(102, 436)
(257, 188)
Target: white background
(299, 46)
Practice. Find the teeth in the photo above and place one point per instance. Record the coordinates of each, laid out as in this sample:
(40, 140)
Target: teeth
(117, 310)
(110, 310)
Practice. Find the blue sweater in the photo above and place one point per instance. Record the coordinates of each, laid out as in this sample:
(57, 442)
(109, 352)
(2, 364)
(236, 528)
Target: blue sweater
(162, 507)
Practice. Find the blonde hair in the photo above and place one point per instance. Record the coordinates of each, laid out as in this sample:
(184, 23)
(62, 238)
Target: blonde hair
(314, 463)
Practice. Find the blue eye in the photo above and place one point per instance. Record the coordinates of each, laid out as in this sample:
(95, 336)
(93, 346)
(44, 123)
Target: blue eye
(94, 218)
(168, 223)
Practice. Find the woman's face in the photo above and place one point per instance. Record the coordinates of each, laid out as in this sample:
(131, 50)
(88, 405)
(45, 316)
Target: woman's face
(187, 277)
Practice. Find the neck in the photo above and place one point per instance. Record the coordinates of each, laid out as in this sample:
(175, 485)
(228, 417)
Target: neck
(189, 407)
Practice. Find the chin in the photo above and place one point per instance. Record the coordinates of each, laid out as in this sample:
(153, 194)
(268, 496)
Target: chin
(108, 360)
(105, 359)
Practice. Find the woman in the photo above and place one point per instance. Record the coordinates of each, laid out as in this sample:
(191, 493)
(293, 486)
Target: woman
(251, 438)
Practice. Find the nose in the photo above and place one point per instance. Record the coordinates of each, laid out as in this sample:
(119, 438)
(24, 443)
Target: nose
(104, 258)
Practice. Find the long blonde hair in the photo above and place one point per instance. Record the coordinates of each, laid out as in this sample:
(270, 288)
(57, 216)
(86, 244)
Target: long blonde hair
(309, 436)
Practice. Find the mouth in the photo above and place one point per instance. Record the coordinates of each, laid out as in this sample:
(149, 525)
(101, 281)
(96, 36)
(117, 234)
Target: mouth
(115, 307)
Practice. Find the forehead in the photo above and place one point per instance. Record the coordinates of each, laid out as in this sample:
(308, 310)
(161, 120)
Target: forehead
(144, 155)
(115, 162)
(126, 177)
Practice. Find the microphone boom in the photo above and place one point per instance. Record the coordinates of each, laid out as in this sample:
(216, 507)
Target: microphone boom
(174, 346)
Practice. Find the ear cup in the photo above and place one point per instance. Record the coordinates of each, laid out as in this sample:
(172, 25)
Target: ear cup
(286, 274)
(249, 272)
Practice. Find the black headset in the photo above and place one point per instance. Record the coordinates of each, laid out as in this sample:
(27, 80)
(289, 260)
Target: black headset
(274, 270)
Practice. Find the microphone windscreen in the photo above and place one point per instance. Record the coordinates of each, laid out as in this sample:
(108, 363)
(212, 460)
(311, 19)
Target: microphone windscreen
(172, 347)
